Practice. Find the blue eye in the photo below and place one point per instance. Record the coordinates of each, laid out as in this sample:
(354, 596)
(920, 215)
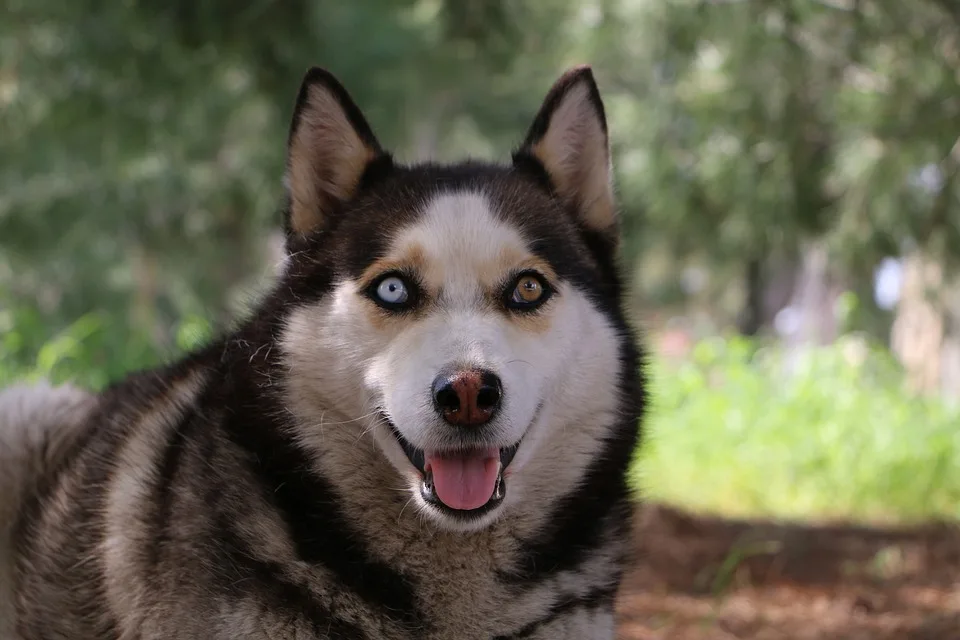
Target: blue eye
(393, 291)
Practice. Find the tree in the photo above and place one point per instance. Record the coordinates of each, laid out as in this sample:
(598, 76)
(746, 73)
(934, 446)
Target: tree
(765, 133)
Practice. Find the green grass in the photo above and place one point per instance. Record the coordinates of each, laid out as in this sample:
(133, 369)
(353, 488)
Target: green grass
(733, 433)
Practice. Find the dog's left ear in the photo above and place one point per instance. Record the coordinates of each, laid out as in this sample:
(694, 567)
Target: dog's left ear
(329, 148)
(568, 139)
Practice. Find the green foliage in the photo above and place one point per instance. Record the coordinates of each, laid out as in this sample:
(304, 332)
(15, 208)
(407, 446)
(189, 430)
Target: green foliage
(744, 129)
(752, 430)
(87, 351)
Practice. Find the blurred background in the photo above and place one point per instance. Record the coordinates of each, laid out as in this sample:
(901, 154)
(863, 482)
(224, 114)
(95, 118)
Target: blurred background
(788, 173)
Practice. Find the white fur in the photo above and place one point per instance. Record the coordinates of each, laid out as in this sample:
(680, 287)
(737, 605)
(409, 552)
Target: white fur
(570, 368)
(38, 425)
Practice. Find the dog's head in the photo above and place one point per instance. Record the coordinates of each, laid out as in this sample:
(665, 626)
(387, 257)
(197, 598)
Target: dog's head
(466, 317)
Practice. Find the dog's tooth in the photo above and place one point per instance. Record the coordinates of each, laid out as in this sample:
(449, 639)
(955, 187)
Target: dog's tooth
(498, 488)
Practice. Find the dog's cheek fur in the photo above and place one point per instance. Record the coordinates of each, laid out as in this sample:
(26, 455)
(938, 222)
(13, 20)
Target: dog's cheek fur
(581, 366)
(330, 347)
(326, 346)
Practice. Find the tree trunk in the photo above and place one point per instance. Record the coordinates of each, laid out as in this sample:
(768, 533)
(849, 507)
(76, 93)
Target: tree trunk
(950, 351)
(751, 317)
(917, 335)
(780, 283)
(814, 300)
(769, 287)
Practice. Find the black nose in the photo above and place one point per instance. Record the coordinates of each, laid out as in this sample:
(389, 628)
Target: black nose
(467, 397)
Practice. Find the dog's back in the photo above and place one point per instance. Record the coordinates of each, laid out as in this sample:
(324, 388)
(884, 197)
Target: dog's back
(38, 425)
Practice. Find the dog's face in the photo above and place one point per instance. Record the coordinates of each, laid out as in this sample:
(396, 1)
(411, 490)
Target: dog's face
(462, 316)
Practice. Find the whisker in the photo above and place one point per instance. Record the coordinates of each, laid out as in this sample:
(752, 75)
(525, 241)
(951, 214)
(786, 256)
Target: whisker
(357, 419)
(405, 505)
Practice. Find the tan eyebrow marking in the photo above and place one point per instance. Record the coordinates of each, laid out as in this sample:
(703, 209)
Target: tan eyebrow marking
(511, 261)
(537, 264)
(413, 259)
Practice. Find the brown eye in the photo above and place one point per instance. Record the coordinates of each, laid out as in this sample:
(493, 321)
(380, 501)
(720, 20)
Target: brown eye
(528, 289)
(528, 292)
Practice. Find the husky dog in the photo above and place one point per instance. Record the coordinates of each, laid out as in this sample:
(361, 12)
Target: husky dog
(423, 431)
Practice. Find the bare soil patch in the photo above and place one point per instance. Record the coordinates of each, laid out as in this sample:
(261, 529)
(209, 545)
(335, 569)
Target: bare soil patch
(696, 578)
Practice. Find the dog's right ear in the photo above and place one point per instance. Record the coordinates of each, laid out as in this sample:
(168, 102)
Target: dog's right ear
(329, 148)
(568, 140)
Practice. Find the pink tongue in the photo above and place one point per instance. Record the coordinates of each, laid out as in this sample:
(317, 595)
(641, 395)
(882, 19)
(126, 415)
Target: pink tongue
(464, 481)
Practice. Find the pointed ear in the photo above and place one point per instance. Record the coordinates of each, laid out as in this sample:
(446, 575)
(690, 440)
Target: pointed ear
(568, 139)
(329, 148)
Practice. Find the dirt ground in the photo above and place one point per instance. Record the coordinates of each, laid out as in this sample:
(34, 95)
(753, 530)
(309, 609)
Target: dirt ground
(700, 578)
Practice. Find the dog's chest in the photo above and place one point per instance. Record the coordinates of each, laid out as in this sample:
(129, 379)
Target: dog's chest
(462, 592)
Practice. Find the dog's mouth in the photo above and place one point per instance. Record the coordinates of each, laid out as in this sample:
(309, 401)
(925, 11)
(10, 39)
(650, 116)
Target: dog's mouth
(464, 482)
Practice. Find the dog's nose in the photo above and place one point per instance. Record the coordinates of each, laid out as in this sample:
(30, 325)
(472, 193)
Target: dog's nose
(467, 398)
